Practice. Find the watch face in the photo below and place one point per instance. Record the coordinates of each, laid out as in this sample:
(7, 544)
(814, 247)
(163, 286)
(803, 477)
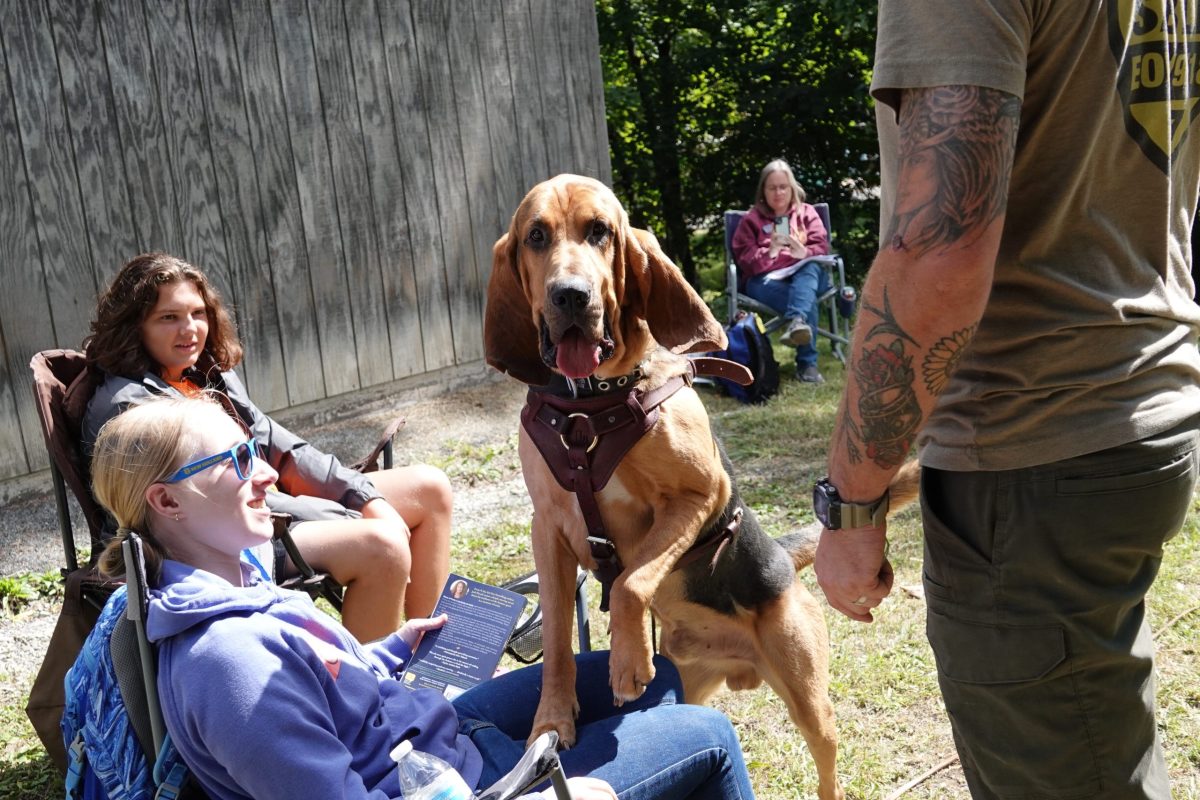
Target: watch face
(822, 503)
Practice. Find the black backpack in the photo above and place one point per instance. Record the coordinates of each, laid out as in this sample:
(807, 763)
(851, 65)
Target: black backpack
(749, 346)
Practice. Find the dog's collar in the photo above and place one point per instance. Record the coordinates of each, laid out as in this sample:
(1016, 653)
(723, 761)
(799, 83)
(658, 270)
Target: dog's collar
(591, 386)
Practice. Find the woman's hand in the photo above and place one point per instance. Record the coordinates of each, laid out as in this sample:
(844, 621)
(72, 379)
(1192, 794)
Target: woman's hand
(779, 242)
(796, 245)
(395, 651)
(590, 789)
(412, 630)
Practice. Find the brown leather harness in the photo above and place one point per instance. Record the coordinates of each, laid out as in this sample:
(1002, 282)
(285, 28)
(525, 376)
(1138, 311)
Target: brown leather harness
(584, 428)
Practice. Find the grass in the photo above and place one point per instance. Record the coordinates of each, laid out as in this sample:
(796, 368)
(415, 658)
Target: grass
(18, 591)
(473, 463)
(884, 687)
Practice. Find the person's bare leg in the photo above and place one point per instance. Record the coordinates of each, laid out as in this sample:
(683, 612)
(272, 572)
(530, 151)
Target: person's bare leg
(423, 497)
(372, 559)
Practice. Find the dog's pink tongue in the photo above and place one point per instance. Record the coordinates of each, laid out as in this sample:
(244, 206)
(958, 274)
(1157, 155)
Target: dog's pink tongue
(577, 357)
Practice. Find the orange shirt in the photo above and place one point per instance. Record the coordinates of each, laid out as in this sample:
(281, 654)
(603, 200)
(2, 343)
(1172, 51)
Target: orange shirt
(185, 387)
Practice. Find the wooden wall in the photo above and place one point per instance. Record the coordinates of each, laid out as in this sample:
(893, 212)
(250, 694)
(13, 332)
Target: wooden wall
(341, 169)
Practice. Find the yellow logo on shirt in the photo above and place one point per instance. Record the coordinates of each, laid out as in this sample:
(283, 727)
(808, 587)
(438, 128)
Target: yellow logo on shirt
(1157, 43)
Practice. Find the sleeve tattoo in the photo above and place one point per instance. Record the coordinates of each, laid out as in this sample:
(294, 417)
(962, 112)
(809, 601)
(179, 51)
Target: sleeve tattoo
(956, 149)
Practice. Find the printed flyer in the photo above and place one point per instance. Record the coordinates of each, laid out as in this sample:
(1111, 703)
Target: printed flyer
(467, 649)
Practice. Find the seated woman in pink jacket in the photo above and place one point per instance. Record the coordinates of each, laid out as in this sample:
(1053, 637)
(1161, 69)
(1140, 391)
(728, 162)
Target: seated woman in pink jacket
(778, 232)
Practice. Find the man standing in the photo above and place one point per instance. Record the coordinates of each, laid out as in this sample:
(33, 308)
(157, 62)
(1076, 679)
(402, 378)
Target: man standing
(1029, 323)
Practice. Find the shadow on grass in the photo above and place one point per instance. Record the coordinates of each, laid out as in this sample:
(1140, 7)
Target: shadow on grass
(33, 779)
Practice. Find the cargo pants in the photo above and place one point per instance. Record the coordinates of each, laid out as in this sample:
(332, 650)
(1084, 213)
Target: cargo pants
(1035, 581)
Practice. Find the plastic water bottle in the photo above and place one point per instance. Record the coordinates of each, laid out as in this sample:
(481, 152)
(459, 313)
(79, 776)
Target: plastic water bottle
(427, 777)
(846, 300)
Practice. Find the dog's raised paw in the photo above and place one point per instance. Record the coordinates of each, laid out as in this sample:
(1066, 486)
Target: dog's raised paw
(628, 678)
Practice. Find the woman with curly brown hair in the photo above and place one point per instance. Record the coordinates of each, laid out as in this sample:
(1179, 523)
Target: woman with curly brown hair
(161, 329)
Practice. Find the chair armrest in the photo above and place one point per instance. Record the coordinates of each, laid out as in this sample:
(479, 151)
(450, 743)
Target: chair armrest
(371, 462)
(830, 260)
(539, 763)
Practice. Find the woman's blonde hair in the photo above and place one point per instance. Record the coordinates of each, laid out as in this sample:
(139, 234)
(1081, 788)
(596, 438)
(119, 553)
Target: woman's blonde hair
(760, 195)
(135, 450)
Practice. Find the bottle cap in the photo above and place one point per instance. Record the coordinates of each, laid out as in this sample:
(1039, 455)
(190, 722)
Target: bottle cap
(401, 750)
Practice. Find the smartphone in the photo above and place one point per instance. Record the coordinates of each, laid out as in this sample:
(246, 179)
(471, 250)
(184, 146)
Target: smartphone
(782, 226)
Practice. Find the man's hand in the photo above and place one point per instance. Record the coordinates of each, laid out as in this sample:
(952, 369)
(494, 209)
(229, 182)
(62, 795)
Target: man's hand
(853, 571)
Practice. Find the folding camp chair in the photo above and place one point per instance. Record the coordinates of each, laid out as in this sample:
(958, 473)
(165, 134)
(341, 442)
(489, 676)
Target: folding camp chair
(525, 644)
(135, 660)
(835, 306)
(62, 387)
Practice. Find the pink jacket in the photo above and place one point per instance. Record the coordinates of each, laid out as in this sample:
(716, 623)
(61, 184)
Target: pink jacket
(752, 240)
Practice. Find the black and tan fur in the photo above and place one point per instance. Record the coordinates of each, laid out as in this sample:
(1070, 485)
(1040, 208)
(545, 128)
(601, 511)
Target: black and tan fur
(745, 621)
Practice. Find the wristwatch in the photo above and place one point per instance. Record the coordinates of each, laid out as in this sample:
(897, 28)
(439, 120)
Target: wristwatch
(836, 514)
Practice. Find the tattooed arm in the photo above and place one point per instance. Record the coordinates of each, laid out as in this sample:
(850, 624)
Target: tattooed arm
(922, 301)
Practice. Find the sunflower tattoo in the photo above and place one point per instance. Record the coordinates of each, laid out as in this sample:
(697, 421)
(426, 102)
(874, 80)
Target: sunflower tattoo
(943, 357)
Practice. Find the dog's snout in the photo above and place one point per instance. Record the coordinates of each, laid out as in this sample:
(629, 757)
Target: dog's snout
(571, 296)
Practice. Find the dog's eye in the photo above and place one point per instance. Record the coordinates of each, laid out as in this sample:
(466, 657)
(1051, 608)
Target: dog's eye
(536, 237)
(598, 233)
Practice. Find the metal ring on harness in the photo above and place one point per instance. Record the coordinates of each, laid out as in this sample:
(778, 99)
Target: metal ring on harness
(563, 436)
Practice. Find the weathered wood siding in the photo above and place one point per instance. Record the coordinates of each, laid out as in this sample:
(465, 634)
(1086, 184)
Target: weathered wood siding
(340, 169)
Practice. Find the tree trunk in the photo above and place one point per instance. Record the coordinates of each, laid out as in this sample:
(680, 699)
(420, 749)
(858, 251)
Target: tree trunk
(665, 149)
(661, 108)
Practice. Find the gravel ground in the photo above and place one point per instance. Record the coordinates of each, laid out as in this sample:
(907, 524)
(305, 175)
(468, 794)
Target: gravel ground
(466, 405)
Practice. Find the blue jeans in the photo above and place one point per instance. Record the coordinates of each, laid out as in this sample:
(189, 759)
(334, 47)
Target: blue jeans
(794, 297)
(1035, 584)
(654, 747)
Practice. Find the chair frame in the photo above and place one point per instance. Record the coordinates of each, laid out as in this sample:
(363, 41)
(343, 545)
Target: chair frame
(838, 326)
(529, 584)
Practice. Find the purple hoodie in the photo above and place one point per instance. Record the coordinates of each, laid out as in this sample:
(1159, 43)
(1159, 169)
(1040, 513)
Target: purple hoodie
(267, 697)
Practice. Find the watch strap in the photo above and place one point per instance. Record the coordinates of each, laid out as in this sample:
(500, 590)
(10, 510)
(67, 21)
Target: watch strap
(837, 514)
(860, 515)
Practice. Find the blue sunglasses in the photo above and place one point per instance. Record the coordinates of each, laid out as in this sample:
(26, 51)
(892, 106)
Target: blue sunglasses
(243, 461)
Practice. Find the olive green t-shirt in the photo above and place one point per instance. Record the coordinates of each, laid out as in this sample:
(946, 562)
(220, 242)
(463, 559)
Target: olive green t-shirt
(1088, 340)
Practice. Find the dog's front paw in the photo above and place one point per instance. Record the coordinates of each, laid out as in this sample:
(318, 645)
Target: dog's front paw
(630, 670)
(557, 717)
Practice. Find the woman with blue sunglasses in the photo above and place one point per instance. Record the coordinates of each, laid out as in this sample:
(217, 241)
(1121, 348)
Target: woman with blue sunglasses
(267, 697)
(161, 329)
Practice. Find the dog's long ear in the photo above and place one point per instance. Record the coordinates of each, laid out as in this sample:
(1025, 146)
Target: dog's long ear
(656, 291)
(510, 339)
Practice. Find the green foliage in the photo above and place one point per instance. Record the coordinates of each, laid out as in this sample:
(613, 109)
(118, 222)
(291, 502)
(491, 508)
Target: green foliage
(475, 463)
(18, 591)
(700, 95)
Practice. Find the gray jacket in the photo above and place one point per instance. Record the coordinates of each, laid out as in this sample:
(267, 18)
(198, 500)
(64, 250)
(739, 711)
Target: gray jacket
(313, 485)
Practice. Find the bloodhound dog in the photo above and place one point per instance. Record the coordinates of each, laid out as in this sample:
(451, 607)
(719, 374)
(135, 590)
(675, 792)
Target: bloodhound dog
(576, 293)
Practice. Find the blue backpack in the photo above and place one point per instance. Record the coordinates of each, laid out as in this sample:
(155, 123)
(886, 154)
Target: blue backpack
(105, 758)
(750, 347)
